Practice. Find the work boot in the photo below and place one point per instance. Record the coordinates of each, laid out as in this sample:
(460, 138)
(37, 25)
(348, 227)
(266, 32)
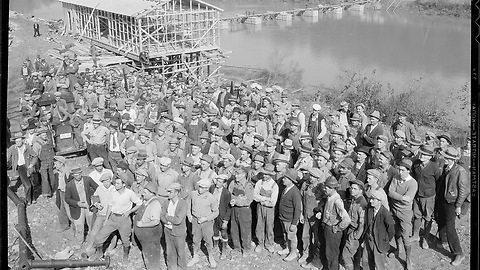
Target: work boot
(259, 249)
(304, 257)
(416, 230)
(211, 260)
(458, 259)
(408, 252)
(283, 251)
(426, 233)
(126, 251)
(226, 250)
(271, 249)
(194, 260)
(396, 251)
(291, 256)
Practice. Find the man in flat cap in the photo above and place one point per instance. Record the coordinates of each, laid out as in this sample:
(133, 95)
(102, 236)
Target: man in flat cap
(44, 150)
(355, 206)
(401, 192)
(241, 215)
(143, 142)
(188, 179)
(173, 217)
(165, 176)
(147, 227)
(316, 125)
(114, 140)
(223, 196)
(266, 194)
(203, 209)
(118, 219)
(379, 230)
(402, 124)
(335, 220)
(97, 140)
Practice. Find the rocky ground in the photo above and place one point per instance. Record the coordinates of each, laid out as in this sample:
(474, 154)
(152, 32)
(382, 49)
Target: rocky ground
(42, 216)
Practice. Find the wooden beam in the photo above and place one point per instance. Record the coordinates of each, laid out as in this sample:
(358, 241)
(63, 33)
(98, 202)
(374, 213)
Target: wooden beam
(88, 22)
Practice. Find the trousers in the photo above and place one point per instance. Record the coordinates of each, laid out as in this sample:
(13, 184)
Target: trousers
(264, 228)
(176, 257)
(202, 231)
(241, 227)
(332, 242)
(115, 222)
(446, 227)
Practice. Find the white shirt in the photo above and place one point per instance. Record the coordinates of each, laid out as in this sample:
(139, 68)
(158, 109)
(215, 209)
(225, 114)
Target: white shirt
(105, 195)
(122, 202)
(111, 148)
(21, 157)
(171, 212)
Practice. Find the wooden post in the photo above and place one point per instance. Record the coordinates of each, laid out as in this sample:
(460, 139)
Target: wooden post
(88, 22)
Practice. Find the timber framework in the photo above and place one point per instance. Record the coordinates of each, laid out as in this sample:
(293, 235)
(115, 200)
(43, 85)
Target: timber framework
(172, 36)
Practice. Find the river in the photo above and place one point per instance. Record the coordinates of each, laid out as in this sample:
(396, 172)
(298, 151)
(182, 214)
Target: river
(400, 47)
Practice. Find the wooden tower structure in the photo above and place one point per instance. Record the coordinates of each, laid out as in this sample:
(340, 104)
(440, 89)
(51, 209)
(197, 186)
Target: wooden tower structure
(173, 36)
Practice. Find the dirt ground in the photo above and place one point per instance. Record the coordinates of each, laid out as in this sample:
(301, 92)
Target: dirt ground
(42, 216)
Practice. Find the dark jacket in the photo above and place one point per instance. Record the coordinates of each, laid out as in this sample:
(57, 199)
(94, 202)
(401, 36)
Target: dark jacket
(290, 206)
(179, 227)
(71, 194)
(426, 177)
(370, 136)
(381, 226)
(224, 207)
(29, 156)
(454, 185)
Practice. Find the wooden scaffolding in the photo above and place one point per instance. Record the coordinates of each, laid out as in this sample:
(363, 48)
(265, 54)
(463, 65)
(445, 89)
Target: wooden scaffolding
(173, 36)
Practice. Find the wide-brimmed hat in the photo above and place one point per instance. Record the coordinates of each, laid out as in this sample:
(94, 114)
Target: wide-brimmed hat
(291, 174)
(414, 141)
(204, 135)
(269, 169)
(207, 158)
(427, 150)
(331, 182)
(407, 163)
(130, 128)
(446, 137)
(142, 154)
(451, 153)
(355, 117)
(281, 158)
(76, 169)
(375, 114)
(188, 162)
(152, 187)
(363, 149)
(18, 135)
(259, 158)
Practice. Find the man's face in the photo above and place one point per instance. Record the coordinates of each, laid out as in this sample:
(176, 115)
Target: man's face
(172, 193)
(164, 167)
(227, 163)
(280, 166)
(443, 143)
(204, 165)
(361, 156)
(373, 120)
(381, 143)
(360, 110)
(383, 160)
(172, 147)
(118, 184)
(142, 138)
(355, 190)
(43, 136)
(371, 180)
(399, 140)
(402, 119)
(57, 164)
(328, 191)
(337, 155)
(140, 161)
(195, 150)
(219, 182)
(321, 161)
(202, 190)
(375, 203)
(107, 183)
(425, 158)
(99, 168)
(257, 164)
(77, 176)
(404, 172)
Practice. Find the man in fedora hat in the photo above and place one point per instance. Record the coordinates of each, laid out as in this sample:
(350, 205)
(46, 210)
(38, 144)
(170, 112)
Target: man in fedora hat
(173, 214)
(453, 190)
(97, 140)
(78, 195)
(289, 213)
(62, 173)
(402, 124)
(444, 141)
(335, 219)
(372, 130)
(362, 163)
(345, 176)
(147, 227)
(402, 192)
(427, 173)
(266, 194)
(143, 142)
(203, 209)
(241, 215)
(379, 231)
(355, 206)
(305, 160)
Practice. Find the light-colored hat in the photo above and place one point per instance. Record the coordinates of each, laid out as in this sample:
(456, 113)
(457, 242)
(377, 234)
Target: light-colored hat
(141, 171)
(60, 158)
(132, 149)
(165, 161)
(97, 161)
(451, 153)
(105, 177)
(317, 107)
(174, 186)
(375, 114)
(400, 133)
(206, 183)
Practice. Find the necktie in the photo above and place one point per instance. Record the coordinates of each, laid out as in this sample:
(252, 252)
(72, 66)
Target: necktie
(114, 139)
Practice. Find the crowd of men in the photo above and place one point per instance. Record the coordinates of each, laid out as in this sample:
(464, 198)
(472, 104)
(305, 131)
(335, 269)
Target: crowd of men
(243, 167)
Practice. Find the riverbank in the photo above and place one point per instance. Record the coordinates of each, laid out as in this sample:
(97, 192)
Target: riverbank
(452, 8)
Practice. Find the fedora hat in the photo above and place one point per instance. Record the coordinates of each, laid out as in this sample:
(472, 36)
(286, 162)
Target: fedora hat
(130, 128)
(207, 158)
(451, 153)
(18, 135)
(407, 163)
(357, 182)
(204, 135)
(375, 114)
(414, 141)
(259, 158)
(427, 150)
(446, 137)
(291, 174)
(281, 158)
(363, 149)
(269, 169)
(197, 144)
(142, 154)
(76, 169)
(355, 117)
(152, 187)
(288, 144)
(188, 162)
